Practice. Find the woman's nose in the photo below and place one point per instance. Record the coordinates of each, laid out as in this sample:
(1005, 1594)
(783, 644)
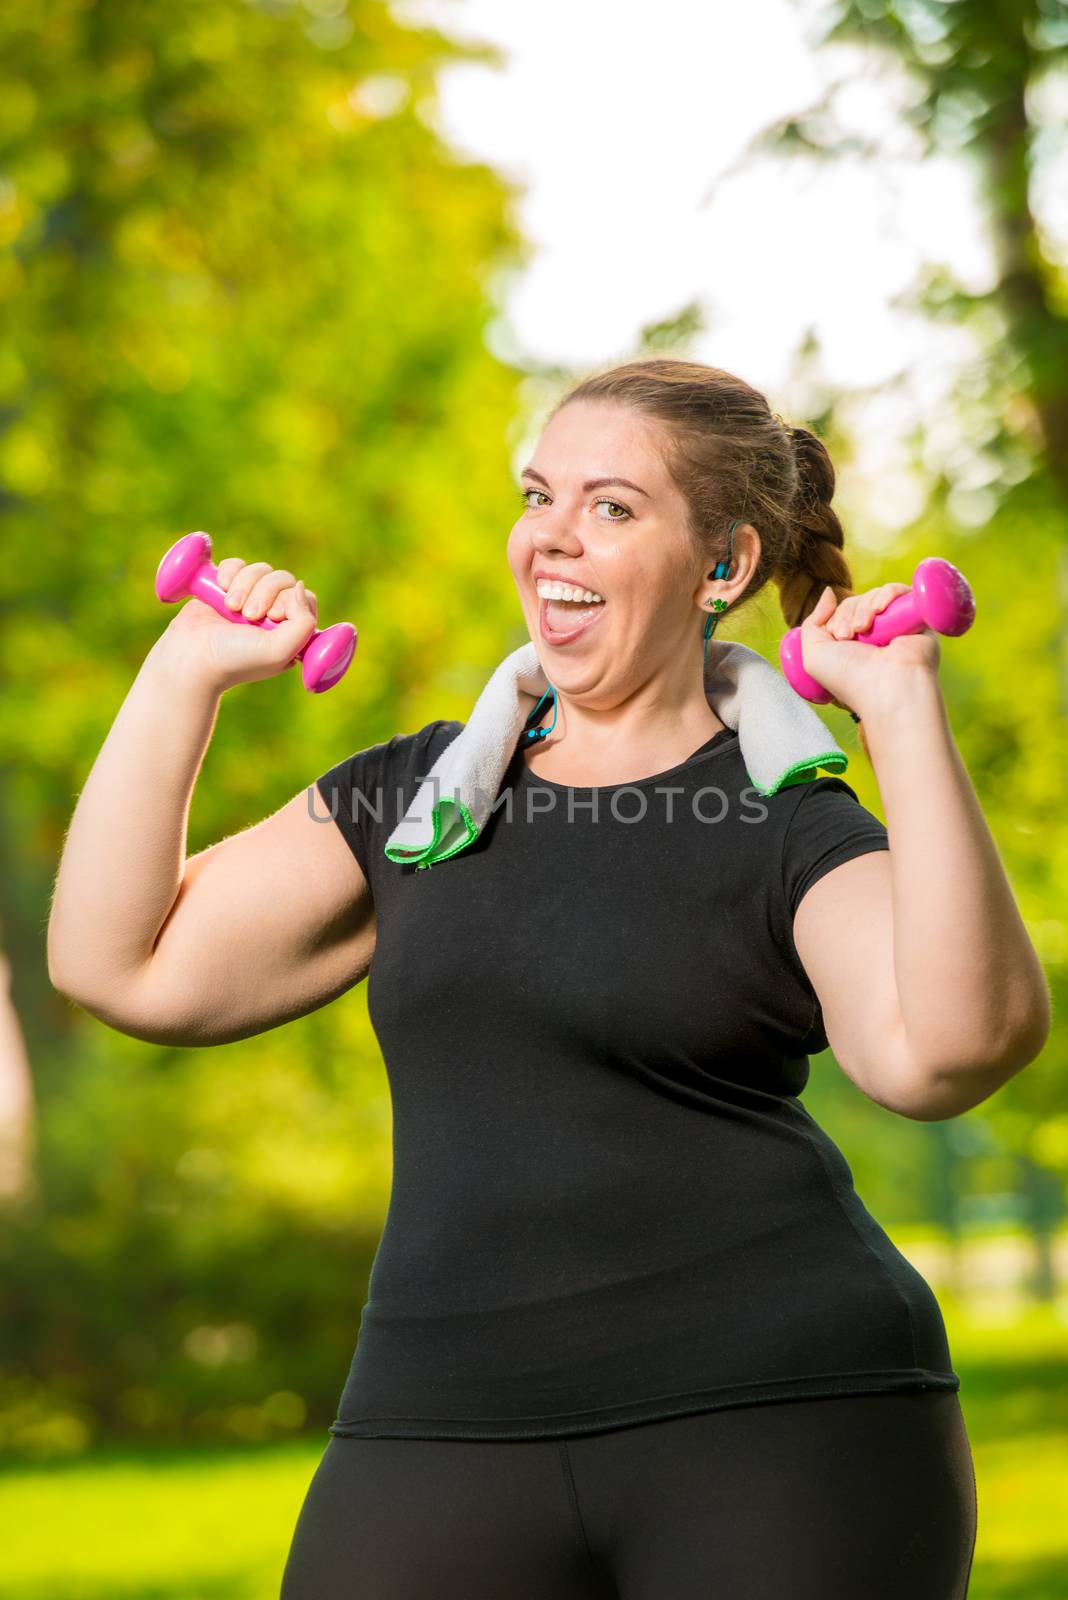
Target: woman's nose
(556, 534)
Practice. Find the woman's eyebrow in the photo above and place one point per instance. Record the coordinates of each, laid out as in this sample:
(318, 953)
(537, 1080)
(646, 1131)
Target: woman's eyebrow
(591, 483)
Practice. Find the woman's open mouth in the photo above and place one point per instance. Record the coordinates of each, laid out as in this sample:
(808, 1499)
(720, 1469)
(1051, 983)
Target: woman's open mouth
(563, 621)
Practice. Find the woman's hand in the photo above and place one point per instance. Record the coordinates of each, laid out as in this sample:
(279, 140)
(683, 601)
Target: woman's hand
(860, 676)
(228, 653)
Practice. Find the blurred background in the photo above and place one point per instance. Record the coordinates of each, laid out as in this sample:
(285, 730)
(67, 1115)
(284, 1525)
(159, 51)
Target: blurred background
(307, 274)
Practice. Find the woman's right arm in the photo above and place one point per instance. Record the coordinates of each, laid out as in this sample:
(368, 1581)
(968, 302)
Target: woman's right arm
(264, 926)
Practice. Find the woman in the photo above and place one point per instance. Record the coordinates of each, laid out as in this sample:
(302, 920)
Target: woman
(621, 1262)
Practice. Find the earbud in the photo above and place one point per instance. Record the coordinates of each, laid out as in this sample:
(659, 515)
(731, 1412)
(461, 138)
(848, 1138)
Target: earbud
(723, 568)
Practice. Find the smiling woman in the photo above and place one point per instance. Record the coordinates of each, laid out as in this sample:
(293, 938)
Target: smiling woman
(616, 1238)
(613, 585)
(619, 1252)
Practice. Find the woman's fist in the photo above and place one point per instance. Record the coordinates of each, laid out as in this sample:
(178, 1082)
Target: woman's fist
(231, 653)
(857, 675)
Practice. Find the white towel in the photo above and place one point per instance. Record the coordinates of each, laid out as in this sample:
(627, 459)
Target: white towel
(781, 740)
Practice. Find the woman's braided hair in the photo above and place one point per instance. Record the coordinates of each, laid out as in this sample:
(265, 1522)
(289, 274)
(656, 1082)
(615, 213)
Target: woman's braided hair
(815, 556)
(731, 456)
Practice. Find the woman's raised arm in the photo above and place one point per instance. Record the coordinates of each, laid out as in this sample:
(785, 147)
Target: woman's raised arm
(262, 927)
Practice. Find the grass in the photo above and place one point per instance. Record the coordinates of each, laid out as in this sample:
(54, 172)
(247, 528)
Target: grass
(194, 1524)
(1014, 1394)
(202, 1524)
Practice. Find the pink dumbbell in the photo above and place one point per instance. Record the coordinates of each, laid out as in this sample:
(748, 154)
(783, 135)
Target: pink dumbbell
(940, 599)
(187, 570)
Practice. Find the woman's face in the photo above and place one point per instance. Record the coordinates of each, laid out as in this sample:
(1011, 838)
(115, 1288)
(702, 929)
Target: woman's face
(602, 514)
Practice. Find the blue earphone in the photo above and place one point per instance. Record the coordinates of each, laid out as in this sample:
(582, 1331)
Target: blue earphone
(723, 570)
(542, 733)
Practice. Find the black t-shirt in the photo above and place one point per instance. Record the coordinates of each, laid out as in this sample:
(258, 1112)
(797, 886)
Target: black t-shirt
(608, 1203)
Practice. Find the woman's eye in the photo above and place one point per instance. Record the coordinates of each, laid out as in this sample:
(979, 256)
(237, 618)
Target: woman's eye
(525, 493)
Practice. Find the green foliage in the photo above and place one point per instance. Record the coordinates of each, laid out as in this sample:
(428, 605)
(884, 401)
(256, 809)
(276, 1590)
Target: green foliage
(244, 288)
(981, 83)
(236, 297)
(197, 1261)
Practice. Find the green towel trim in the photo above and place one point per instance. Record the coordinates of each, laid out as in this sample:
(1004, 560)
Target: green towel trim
(430, 852)
(833, 761)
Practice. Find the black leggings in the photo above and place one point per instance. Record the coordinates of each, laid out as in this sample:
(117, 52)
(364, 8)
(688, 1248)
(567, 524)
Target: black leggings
(860, 1497)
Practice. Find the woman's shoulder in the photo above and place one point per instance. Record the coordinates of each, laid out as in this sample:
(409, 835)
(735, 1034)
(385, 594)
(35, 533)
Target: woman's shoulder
(402, 758)
(826, 804)
(826, 825)
(796, 794)
(431, 739)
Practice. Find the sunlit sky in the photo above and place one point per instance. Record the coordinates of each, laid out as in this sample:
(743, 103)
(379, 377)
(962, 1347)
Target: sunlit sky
(625, 129)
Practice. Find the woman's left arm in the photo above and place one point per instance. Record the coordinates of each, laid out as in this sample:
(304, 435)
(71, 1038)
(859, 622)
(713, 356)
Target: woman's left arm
(971, 1004)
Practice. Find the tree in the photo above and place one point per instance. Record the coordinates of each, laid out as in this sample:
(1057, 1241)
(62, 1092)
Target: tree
(244, 288)
(977, 78)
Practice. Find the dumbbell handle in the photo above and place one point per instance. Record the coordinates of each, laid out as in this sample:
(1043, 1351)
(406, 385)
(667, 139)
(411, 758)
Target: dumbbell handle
(187, 570)
(940, 598)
